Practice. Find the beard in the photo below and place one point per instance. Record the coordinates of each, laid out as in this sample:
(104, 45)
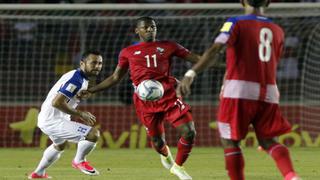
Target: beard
(91, 72)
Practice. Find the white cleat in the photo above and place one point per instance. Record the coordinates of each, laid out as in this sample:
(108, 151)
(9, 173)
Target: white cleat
(180, 172)
(168, 161)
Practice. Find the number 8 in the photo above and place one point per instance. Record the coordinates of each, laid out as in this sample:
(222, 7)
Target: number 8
(266, 37)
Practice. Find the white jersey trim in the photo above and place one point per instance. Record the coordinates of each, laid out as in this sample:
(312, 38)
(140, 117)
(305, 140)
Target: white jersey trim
(59, 92)
(240, 89)
(224, 130)
(222, 38)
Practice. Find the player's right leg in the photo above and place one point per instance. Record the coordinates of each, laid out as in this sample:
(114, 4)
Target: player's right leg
(159, 144)
(50, 155)
(281, 156)
(271, 124)
(155, 130)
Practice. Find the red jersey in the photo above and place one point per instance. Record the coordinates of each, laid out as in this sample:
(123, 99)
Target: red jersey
(152, 60)
(254, 46)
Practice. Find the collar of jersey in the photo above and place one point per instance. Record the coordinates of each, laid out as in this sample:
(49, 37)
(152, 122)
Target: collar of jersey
(82, 73)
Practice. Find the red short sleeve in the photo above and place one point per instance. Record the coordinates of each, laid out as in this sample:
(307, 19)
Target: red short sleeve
(123, 60)
(180, 51)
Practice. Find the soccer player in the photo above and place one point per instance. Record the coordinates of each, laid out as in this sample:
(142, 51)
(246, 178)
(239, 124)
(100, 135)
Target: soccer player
(151, 59)
(249, 94)
(54, 118)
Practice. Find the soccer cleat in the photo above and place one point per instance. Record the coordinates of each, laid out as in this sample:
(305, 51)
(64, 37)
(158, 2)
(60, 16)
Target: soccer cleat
(292, 176)
(34, 175)
(168, 161)
(296, 178)
(85, 168)
(180, 172)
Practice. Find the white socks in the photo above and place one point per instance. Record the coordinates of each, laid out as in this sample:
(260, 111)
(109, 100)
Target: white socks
(50, 155)
(84, 148)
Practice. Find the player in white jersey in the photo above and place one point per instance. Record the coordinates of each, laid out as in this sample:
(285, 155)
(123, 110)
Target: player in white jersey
(54, 118)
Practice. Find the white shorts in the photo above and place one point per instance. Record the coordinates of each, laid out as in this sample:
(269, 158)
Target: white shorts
(61, 130)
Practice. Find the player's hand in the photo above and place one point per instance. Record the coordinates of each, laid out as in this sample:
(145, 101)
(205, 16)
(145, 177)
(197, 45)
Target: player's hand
(87, 117)
(183, 88)
(84, 94)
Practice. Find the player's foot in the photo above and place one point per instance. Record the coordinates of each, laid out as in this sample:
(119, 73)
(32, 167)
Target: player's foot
(260, 148)
(168, 161)
(34, 175)
(180, 172)
(86, 168)
(292, 176)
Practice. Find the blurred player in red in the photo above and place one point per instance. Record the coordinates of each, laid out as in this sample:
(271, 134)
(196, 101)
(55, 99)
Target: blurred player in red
(249, 94)
(151, 59)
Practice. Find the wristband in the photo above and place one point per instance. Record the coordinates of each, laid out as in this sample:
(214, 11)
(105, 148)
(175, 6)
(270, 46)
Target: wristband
(190, 73)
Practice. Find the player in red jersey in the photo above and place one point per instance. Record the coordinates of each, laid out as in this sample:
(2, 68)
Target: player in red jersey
(151, 59)
(249, 94)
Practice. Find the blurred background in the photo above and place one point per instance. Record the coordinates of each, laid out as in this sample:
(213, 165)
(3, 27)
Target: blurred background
(39, 43)
(140, 1)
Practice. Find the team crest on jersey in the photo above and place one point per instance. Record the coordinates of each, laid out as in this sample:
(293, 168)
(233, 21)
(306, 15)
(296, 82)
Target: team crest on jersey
(137, 52)
(71, 87)
(160, 50)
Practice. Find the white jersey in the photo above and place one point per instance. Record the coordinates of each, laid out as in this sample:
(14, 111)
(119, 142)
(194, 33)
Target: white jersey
(69, 85)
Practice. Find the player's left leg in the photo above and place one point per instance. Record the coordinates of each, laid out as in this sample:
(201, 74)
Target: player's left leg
(84, 148)
(281, 156)
(187, 131)
(234, 161)
(187, 135)
(234, 117)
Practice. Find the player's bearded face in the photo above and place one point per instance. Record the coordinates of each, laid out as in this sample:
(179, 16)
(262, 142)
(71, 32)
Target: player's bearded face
(93, 65)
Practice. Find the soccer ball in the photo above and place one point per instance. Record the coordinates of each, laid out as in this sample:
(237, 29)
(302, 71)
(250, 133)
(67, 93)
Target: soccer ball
(150, 90)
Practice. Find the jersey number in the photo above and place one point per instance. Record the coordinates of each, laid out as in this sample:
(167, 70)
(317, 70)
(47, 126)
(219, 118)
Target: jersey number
(154, 57)
(266, 37)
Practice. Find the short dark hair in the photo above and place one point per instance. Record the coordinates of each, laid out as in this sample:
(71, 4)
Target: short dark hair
(143, 18)
(88, 52)
(258, 3)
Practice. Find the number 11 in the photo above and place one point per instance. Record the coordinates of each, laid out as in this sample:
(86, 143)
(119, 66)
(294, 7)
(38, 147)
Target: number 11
(154, 57)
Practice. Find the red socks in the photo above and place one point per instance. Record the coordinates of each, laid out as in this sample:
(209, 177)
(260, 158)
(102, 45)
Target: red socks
(234, 163)
(184, 148)
(281, 156)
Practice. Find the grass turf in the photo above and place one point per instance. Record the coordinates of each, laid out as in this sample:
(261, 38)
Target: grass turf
(126, 164)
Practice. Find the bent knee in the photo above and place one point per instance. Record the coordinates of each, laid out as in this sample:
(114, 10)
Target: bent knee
(60, 147)
(157, 141)
(190, 134)
(93, 135)
(266, 143)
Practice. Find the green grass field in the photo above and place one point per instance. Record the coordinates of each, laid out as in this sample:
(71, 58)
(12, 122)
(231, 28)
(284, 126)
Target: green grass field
(125, 164)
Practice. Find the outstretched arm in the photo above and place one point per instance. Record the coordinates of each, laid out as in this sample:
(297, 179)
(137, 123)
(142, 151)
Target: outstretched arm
(193, 58)
(115, 78)
(207, 59)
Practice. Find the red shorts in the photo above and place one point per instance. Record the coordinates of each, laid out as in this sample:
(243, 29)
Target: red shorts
(154, 122)
(235, 116)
